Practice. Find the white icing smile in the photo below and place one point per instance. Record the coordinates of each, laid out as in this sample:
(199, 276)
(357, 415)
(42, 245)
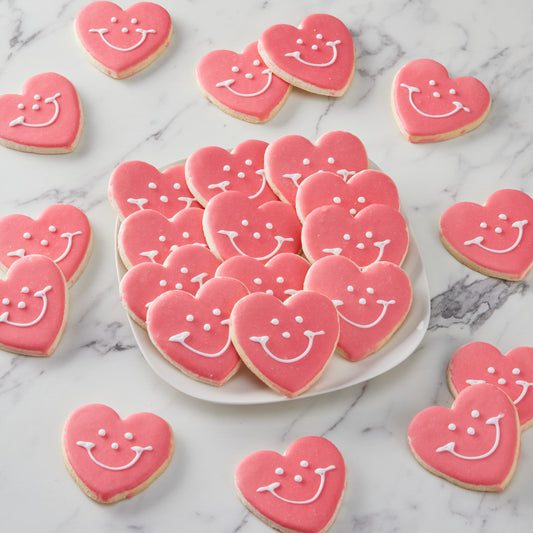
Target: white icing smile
(310, 336)
(450, 447)
(479, 240)
(384, 303)
(103, 31)
(458, 105)
(223, 185)
(182, 337)
(319, 471)
(50, 100)
(69, 236)
(4, 317)
(232, 235)
(137, 449)
(378, 244)
(228, 83)
(520, 382)
(332, 44)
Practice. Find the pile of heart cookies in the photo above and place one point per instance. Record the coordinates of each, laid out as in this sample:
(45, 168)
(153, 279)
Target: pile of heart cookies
(273, 254)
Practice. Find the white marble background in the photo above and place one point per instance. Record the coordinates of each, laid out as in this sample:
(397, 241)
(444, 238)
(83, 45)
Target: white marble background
(159, 116)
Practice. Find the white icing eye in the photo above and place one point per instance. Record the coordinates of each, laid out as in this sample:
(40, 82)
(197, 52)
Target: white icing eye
(502, 381)
(152, 185)
(102, 432)
(304, 464)
(306, 161)
(362, 301)
(279, 471)
(299, 319)
(331, 160)
(280, 279)
(37, 97)
(6, 301)
(346, 237)
(452, 427)
(319, 36)
(270, 292)
(516, 371)
(275, 322)
(258, 281)
(353, 211)
(452, 91)
(241, 175)
(44, 242)
(498, 230)
(432, 82)
(184, 270)
(114, 446)
(298, 478)
(314, 47)
(35, 107)
(52, 229)
(176, 186)
(25, 290)
(370, 290)
(336, 200)
(369, 234)
(27, 235)
(163, 283)
(248, 162)
(350, 288)
(475, 413)
(436, 94)
(244, 222)
(299, 41)
(185, 235)
(128, 436)
(179, 286)
(21, 106)
(216, 311)
(189, 318)
(471, 431)
(502, 217)
(360, 246)
(124, 30)
(269, 225)
(286, 335)
(21, 305)
(248, 76)
(226, 168)
(256, 235)
(164, 199)
(207, 327)
(361, 199)
(113, 19)
(483, 225)
(491, 370)
(134, 21)
(235, 69)
(162, 238)
(256, 62)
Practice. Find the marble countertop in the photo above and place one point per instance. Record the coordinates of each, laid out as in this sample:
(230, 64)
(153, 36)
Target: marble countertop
(159, 116)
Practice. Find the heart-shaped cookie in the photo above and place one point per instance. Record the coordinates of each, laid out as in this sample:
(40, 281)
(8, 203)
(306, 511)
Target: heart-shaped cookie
(361, 190)
(300, 490)
(121, 42)
(33, 306)
(62, 232)
(241, 84)
(480, 362)
(192, 332)
(495, 239)
(186, 268)
(371, 302)
(286, 344)
(475, 444)
(46, 118)
(281, 277)
(136, 185)
(148, 236)
(290, 159)
(212, 170)
(430, 106)
(234, 225)
(112, 458)
(318, 56)
(377, 233)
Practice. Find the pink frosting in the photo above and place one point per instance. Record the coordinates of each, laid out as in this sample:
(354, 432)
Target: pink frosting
(149, 237)
(136, 185)
(431, 106)
(192, 332)
(372, 302)
(126, 454)
(286, 344)
(45, 118)
(62, 232)
(33, 306)
(121, 42)
(282, 276)
(480, 362)
(186, 268)
(496, 237)
(476, 443)
(234, 225)
(290, 159)
(212, 170)
(300, 490)
(241, 84)
(361, 190)
(318, 56)
(377, 233)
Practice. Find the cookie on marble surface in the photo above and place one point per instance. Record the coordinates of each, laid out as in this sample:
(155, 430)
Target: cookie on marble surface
(120, 42)
(112, 458)
(430, 106)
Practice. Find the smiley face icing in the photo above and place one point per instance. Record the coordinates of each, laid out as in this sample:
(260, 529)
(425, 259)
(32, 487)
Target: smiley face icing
(122, 42)
(430, 106)
(112, 458)
(480, 362)
(318, 56)
(475, 444)
(300, 490)
(241, 84)
(495, 239)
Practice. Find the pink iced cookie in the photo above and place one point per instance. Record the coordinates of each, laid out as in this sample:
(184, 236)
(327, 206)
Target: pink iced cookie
(480, 362)
(299, 491)
(282, 276)
(33, 306)
(212, 170)
(186, 268)
(291, 159)
(495, 239)
(234, 225)
(285, 344)
(475, 444)
(121, 42)
(112, 458)
(318, 56)
(377, 233)
(136, 185)
(361, 190)
(62, 232)
(192, 332)
(372, 303)
(241, 84)
(430, 106)
(45, 119)
(148, 236)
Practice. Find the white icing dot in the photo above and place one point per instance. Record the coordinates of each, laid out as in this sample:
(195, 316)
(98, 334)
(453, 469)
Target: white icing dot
(248, 162)
(346, 237)
(360, 246)
(361, 199)
(370, 290)
(189, 318)
(350, 288)
(52, 229)
(471, 431)
(491, 370)
(502, 217)
(432, 82)
(286, 335)
(216, 311)
(336, 200)
(452, 427)
(280, 279)
(25, 290)
(114, 446)
(299, 319)
(314, 47)
(516, 371)
(436, 94)
(306, 161)
(185, 235)
(207, 327)
(498, 230)
(269, 225)
(21, 106)
(298, 478)
(270, 291)
(304, 464)
(299, 41)
(162, 238)
(256, 235)
(6, 301)
(483, 225)
(184, 270)
(353, 211)
(163, 283)
(176, 186)
(244, 222)
(279, 471)
(319, 36)
(113, 19)
(102, 432)
(124, 30)
(44, 242)
(258, 281)
(256, 62)
(452, 91)
(179, 286)
(27, 235)
(35, 107)
(164, 199)
(128, 435)
(241, 175)
(502, 381)
(275, 322)
(235, 69)
(134, 21)
(475, 413)
(37, 97)
(248, 76)
(226, 168)
(362, 301)
(152, 185)
(369, 234)
(331, 160)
